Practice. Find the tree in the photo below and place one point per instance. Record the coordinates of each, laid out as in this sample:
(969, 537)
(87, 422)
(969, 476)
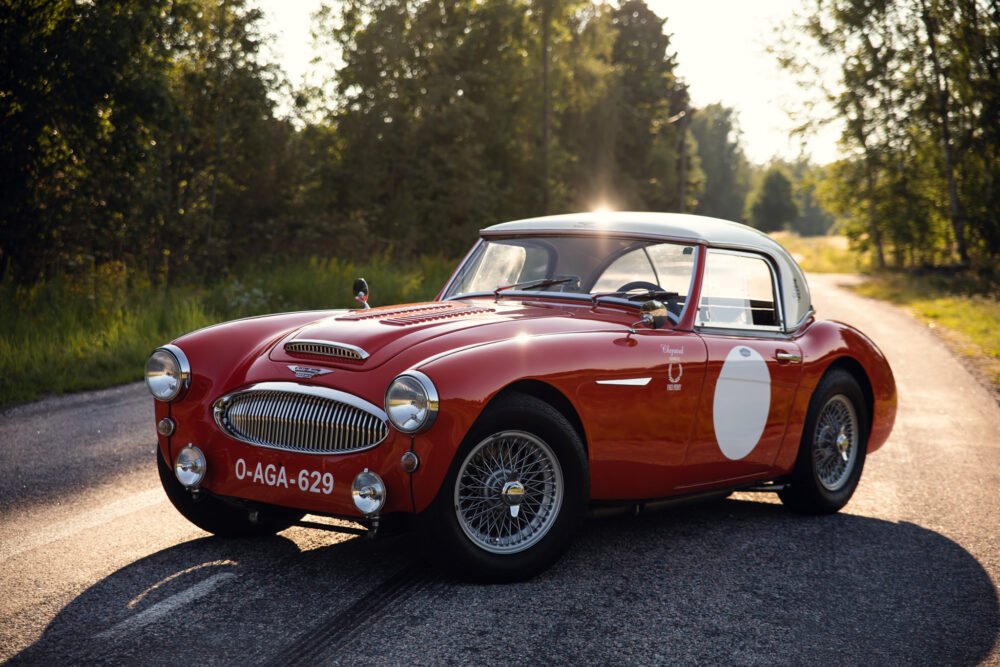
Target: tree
(773, 207)
(919, 95)
(726, 169)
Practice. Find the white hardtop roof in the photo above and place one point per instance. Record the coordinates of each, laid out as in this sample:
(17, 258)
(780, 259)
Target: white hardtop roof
(672, 226)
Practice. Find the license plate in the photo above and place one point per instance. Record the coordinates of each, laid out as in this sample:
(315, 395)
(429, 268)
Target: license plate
(278, 477)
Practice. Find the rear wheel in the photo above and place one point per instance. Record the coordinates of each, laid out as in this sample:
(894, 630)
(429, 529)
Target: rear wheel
(219, 518)
(833, 447)
(515, 495)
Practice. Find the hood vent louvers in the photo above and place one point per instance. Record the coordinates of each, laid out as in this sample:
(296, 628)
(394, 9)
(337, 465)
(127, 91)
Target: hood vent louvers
(325, 348)
(418, 318)
(416, 314)
(379, 313)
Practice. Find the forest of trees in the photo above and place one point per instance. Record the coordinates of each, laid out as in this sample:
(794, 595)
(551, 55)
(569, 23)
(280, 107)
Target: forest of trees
(919, 99)
(143, 136)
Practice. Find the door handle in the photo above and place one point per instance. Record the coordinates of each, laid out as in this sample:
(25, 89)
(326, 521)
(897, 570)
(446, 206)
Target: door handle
(781, 355)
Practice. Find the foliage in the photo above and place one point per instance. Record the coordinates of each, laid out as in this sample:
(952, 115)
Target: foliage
(440, 114)
(74, 333)
(145, 132)
(726, 169)
(919, 97)
(772, 206)
(965, 313)
(821, 254)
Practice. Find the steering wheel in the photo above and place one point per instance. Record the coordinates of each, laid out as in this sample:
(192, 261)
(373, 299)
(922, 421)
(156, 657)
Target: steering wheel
(640, 284)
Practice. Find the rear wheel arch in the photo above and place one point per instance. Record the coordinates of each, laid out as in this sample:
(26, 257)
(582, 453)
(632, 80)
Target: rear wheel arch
(854, 367)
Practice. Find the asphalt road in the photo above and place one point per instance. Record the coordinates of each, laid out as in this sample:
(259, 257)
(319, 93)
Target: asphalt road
(97, 567)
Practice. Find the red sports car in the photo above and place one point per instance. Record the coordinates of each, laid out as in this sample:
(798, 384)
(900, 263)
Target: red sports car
(570, 362)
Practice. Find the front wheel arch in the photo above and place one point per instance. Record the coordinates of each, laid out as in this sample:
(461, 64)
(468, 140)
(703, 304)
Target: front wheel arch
(447, 544)
(548, 394)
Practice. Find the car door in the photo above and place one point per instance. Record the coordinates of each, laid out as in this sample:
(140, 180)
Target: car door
(642, 409)
(752, 373)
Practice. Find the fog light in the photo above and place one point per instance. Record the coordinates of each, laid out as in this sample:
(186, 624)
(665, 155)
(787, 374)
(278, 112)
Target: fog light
(368, 492)
(409, 462)
(166, 427)
(190, 466)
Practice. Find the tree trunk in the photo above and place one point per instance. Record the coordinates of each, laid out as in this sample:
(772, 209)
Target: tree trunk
(546, 18)
(873, 228)
(957, 222)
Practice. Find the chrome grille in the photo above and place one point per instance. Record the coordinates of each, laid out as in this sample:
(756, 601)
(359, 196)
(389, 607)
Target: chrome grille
(300, 418)
(326, 348)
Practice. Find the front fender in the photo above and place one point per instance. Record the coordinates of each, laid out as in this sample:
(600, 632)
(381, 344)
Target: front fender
(468, 379)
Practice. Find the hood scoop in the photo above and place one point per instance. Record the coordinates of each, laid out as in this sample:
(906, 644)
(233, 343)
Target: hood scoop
(325, 348)
(418, 314)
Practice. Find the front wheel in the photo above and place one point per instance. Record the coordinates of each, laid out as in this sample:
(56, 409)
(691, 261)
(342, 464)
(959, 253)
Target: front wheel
(833, 447)
(219, 518)
(515, 494)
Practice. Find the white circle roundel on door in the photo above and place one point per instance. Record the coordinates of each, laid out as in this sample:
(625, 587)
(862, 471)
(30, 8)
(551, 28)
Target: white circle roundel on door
(742, 402)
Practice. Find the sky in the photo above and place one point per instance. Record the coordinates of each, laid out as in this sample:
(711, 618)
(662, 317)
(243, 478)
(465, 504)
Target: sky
(721, 54)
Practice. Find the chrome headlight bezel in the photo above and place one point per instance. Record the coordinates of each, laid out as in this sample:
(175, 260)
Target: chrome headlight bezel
(169, 361)
(420, 408)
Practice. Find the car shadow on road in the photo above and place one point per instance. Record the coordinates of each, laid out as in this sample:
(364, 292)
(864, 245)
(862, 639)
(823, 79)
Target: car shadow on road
(730, 582)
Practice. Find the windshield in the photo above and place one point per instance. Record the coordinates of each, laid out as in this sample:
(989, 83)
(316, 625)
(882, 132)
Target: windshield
(583, 265)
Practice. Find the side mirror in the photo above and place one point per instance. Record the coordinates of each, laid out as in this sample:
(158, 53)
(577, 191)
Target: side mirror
(654, 314)
(361, 292)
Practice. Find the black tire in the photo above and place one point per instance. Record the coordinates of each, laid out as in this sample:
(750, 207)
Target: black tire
(534, 539)
(219, 518)
(828, 469)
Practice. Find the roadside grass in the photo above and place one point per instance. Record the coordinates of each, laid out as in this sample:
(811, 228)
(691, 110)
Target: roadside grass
(70, 335)
(964, 314)
(963, 311)
(822, 254)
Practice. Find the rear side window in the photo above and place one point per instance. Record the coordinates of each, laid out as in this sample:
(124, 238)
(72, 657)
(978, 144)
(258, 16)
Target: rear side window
(738, 292)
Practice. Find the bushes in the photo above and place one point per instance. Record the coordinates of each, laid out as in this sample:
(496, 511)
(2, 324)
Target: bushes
(97, 330)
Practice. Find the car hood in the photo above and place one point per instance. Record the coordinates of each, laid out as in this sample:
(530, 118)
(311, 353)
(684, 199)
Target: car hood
(365, 339)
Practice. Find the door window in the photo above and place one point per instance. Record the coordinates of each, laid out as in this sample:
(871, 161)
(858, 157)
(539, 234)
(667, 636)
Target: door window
(738, 292)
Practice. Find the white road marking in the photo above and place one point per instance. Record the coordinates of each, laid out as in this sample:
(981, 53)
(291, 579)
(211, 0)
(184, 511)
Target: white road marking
(164, 607)
(43, 535)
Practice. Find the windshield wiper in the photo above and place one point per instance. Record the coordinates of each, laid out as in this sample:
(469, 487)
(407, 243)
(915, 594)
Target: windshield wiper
(532, 284)
(636, 295)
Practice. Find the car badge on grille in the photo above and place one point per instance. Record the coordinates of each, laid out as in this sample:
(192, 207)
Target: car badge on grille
(307, 373)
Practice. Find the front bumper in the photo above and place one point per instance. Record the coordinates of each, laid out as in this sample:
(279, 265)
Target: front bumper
(315, 483)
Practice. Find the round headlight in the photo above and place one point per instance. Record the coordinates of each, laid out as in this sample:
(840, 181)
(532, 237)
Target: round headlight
(411, 402)
(190, 466)
(167, 373)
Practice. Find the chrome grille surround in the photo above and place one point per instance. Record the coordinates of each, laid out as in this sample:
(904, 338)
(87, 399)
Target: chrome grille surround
(326, 348)
(300, 418)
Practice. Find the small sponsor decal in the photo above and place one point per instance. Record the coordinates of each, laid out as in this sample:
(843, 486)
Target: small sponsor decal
(675, 371)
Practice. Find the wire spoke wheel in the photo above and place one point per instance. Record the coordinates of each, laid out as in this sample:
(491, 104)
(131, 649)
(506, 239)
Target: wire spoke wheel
(835, 442)
(509, 492)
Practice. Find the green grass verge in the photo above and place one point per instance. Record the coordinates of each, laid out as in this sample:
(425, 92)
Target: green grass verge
(70, 335)
(822, 254)
(966, 316)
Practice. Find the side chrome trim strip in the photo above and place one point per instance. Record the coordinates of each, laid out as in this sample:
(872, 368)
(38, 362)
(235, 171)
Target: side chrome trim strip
(627, 382)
